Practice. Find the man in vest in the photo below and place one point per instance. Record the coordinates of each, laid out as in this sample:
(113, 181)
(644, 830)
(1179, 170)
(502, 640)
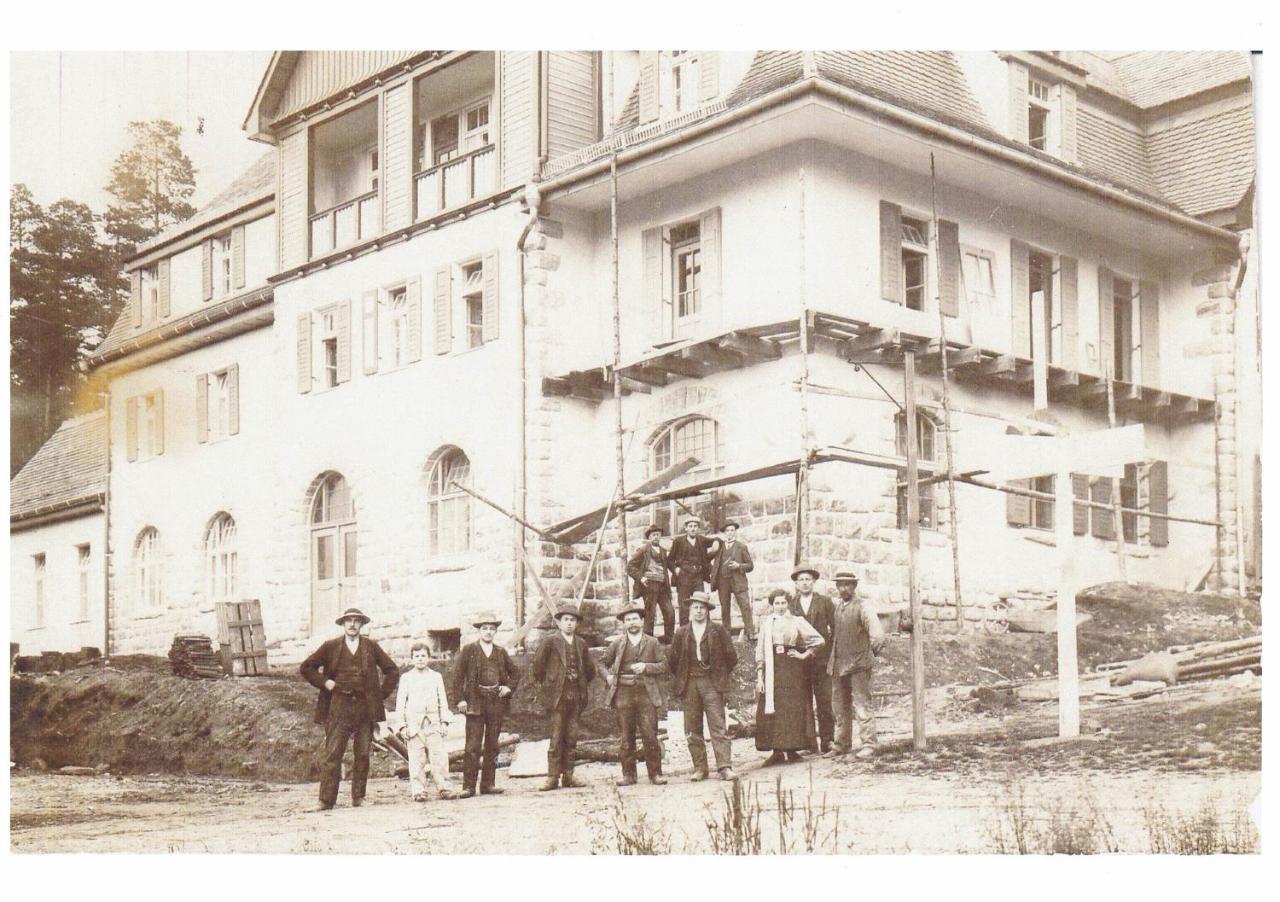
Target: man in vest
(729, 578)
(702, 659)
(634, 663)
(563, 667)
(689, 561)
(650, 582)
(355, 677)
(820, 612)
(482, 681)
(856, 639)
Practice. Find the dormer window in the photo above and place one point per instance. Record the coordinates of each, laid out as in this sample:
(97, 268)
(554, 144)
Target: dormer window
(684, 81)
(150, 295)
(1038, 108)
(222, 266)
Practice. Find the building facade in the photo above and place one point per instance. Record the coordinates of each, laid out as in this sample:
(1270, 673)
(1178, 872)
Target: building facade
(450, 261)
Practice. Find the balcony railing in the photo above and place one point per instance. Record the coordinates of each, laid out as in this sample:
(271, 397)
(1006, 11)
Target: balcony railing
(454, 182)
(348, 223)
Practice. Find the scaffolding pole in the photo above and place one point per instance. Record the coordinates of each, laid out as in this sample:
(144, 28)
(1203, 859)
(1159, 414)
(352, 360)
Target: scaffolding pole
(913, 550)
(1117, 522)
(953, 517)
(802, 475)
(619, 448)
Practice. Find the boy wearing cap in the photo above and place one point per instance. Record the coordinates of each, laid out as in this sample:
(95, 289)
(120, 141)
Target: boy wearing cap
(355, 677)
(818, 610)
(482, 680)
(729, 578)
(702, 660)
(564, 668)
(689, 561)
(650, 582)
(425, 708)
(856, 639)
(634, 663)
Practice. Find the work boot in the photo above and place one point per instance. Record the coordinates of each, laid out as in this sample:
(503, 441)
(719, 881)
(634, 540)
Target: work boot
(569, 781)
(467, 792)
(357, 802)
(325, 806)
(867, 751)
(726, 774)
(550, 784)
(699, 775)
(775, 758)
(447, 794)
(658, 780)
(794, 756)
(491, 791)
(835, 750)
(625, 780)
(824, 746)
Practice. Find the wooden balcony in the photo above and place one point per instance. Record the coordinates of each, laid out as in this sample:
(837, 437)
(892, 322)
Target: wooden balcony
(861, 342)
(350, 222)
(455, 182)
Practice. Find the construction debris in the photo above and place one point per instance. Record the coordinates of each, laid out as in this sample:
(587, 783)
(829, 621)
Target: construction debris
(193, 656)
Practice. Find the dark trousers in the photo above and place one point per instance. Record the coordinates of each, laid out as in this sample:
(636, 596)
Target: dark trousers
(743, 598)
(484, 724)
(348, 719)
(636, 712)
(658, 598)
(819, 685)
(683, 591)
(701, 697)
(564, 735)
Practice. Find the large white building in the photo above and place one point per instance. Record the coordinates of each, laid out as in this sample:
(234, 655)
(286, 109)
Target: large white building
(416, 288)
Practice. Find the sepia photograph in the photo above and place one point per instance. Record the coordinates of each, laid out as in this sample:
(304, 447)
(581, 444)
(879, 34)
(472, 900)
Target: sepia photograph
(635, 452)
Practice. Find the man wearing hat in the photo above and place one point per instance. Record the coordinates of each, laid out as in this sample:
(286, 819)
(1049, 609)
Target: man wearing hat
(634, 663)
(563, 667)
(482, 680)
(355, 677)
(821, 614)
(649, 582)
(856, 639)
(702, 660)
(689, 561)
(729, 578)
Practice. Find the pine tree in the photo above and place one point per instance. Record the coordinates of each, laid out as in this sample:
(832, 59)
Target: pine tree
(153, 181)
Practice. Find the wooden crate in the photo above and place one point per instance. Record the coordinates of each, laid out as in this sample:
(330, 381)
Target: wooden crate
(241, 638)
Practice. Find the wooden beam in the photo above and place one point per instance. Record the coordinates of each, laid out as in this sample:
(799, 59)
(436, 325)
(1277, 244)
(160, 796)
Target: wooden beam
(635, 385)
(582, 387)
(574, 529)
(711, 357)
(874, 340)
(671, 363)
(642, 372)
(750, 345)
(1001, 365)
(556, 387)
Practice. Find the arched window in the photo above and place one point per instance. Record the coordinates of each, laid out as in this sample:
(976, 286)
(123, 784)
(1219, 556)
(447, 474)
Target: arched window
(332, 501)
(334, 542)
(692, 437)
(449, 508)
(147, 587)
(222, 565)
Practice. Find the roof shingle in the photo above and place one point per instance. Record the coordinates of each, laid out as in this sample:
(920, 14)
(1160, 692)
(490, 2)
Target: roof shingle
(70, 466)
(1207, 163)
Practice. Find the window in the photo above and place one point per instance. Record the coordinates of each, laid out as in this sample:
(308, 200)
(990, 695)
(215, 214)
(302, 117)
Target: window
(978, 273)
(222, 569)
(39, 574)
(329, 347)
(1042, 509)
(1046, 313)
(83, 561)
(697, 437)
(476, 127)
(686, 266)
(473, 302)
(371, 166)
(449, 508)
(925, 444)
(150, 295)
(1037, 114)
(684, 81)
(1129, 499)
(459, 132)
(915, 262)
(397, 329)
(219, 401)
(152, 424)
(221, 254)
(146, 570)
(1128, 343)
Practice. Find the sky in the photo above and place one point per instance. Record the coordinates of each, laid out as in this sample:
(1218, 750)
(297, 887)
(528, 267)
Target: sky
(69, 112)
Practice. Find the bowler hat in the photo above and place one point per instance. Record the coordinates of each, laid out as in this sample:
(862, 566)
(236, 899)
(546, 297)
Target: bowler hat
(352, 612)
(486, 617)
(805, 568)
(733, 523)
(655, 528)
(843, 576)
(568, 609)
(630, 609)
(701, 598)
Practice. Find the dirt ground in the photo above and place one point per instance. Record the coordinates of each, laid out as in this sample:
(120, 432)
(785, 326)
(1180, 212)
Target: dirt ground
(1144, 774)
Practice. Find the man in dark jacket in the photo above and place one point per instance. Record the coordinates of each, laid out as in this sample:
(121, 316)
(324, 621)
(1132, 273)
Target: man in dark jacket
(702, 659)
(355, 677)
(482, 680)
(856, 639)
(634, 662)
(689, 561)
(563, 667)
(821, 614)
(650, 582)
(729, 572)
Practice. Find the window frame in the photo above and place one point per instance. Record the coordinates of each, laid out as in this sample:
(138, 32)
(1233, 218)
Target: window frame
(928, 496)
(911, 251)
(326, 340)
(975, 298)
(1042, 511)
(1039, 107)
(463, 136)
(84, 563)
(1132, 347)
(150, 425)
(455, 504)
(221, 559)
(470, 277)
(688, 247)
(40, 573)
(149, 293)
(221, 254)
(393, 327)
(1053, 311)
(148, 587)
(218, 405)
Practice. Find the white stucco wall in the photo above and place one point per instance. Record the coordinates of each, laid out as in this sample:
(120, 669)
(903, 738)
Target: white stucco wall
(64, 628)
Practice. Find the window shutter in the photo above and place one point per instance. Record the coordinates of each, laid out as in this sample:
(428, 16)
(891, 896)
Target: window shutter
(1106, 322)
(1104, 526)
(237, 257)
(369, 332)
(442, 303)
(1020, 305)
(131, 428)
(1018, 507)
(1158, 501)
(233, 399)
(651, 242)
(159, 448)
(1149, 324)
(709, 236)
(162, 285)
(1079, 513)
(708, 75)
(1067, 126)
(1018, 125)
(891, 252)
(489, 296)
(949, 267)
(1068, 278)
(135, 298)
(202, 408)
(304, 353)
(344, 341)
(206, 269)
(647, 86)
(413, 305)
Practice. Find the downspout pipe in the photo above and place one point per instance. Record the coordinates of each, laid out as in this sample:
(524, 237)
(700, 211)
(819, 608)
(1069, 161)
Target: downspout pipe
(531, 198)
(106, 534)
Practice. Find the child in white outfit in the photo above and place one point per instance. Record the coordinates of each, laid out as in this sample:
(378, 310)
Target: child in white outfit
(422, 703)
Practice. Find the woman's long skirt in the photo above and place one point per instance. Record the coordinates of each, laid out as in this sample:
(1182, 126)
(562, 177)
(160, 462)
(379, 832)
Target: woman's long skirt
(790, 727)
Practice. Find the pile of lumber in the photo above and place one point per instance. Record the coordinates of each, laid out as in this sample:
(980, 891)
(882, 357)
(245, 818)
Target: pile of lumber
(1201, 661)
(193, 656)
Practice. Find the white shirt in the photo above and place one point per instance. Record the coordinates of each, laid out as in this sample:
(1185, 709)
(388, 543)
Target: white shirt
(699, 630)
(352, 644)
(634, 640)
(805, 601)
(487, 649)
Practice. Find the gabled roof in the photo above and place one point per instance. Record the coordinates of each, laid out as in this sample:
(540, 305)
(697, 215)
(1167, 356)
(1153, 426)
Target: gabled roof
(1207, 163)
(1153, 78)
(70, 467)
